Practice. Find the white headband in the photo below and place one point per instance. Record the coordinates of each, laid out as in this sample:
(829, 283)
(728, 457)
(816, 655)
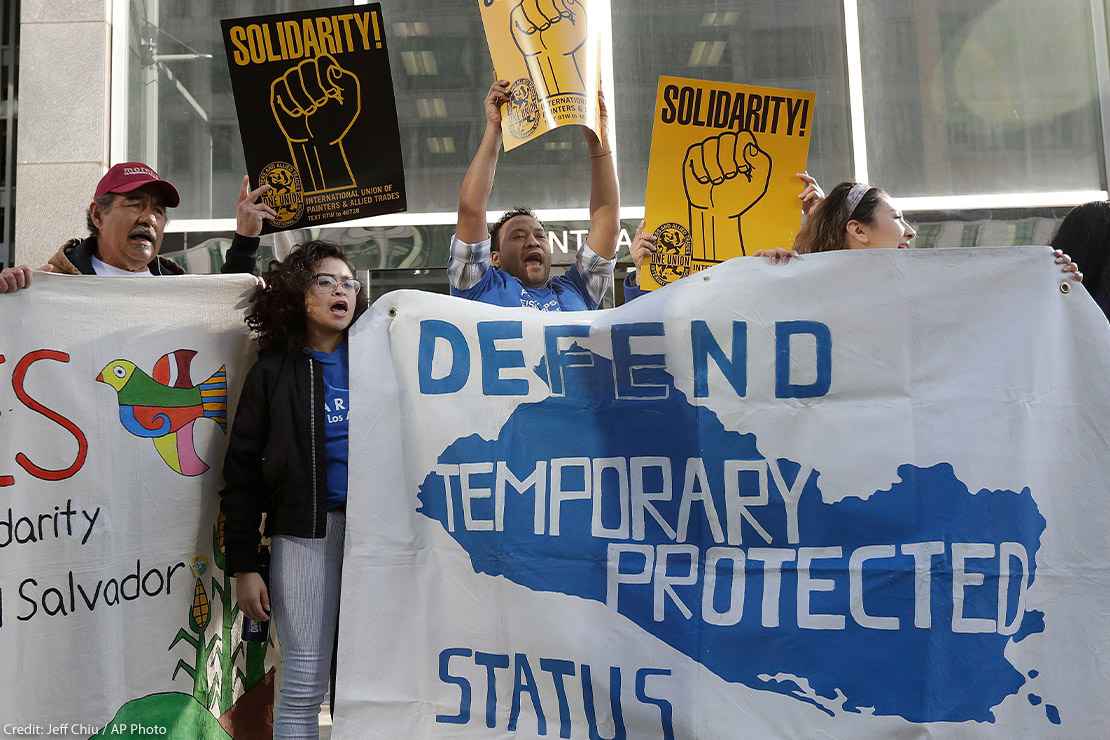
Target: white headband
(855, 195)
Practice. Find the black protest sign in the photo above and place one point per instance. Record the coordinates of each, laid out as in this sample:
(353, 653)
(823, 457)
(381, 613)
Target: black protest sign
(314, 97)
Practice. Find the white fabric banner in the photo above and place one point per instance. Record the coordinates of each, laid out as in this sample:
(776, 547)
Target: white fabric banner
(115, 613)
(862, 495)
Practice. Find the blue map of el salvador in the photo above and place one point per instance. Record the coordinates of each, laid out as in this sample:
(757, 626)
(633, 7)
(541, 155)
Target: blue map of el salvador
(921, 674)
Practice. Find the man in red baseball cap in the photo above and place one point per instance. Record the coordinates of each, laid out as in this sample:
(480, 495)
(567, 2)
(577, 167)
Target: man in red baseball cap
(127, 221)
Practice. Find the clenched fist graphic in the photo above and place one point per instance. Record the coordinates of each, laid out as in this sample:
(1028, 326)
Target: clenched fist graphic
(315, 104)
(551, 35)
(724, 175)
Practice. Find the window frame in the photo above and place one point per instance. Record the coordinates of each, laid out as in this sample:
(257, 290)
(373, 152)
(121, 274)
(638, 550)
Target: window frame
(958, 202)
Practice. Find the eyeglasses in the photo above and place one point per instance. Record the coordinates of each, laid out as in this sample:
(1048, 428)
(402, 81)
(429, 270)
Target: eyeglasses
(326, 283)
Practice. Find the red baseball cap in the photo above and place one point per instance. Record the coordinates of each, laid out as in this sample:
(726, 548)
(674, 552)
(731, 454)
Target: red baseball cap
(127, 176)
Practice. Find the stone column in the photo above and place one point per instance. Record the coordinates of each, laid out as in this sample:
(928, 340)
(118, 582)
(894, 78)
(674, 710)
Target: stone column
(64, 111)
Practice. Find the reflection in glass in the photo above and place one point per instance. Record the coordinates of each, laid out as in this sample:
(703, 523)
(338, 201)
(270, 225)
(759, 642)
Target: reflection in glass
(779, 43)
(980, 96)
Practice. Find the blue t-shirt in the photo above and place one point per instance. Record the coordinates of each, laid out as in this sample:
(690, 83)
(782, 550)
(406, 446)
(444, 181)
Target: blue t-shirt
(337, 396)
(632, 289)
(567, 292)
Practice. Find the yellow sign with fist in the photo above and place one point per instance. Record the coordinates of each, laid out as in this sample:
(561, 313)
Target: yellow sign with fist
(722, 179)
(550, 50)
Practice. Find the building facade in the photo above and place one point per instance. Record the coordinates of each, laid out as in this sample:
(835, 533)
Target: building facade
(987, 119)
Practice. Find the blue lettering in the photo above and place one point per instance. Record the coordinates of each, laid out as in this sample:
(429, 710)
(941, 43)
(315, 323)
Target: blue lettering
(495, 360)
(704, 345)
(463, 717)
(784, 330)
(638, 376)
(558, 670)
(491, 661)
(557, 361)
(430, 331)
(526, 682)
(665, 712)
(619, 732)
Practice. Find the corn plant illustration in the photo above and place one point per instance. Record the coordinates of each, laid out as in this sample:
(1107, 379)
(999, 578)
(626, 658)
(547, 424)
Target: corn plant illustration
(200, 614)
(254, 653)
(221, 591)
(214, 670)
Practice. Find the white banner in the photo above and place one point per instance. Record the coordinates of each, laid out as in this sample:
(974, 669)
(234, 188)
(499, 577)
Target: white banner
(115, 613)
(862, 495)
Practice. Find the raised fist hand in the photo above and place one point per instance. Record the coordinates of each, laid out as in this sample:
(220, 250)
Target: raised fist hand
(550, 35)
(724, 175)
(315, 104)
(727, 173)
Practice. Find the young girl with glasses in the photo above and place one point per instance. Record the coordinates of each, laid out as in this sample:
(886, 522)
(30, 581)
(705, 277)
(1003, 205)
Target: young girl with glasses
(287, 460)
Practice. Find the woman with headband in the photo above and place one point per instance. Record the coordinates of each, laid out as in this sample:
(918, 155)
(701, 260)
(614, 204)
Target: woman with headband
(855, 215)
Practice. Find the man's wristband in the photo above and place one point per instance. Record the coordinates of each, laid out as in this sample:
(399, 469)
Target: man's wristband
(604, 154)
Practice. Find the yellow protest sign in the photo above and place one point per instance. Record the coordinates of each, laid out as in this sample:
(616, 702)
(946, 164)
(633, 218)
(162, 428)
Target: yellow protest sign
(721, 179)
(551, 52)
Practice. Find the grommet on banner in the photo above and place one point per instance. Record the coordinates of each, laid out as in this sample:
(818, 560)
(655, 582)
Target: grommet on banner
(1065, 288)
(393, 311)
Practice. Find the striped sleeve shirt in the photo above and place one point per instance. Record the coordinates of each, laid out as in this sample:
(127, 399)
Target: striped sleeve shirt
(583, 287)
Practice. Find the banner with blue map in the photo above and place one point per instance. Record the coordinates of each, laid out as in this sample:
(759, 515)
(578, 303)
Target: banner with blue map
(861, 495)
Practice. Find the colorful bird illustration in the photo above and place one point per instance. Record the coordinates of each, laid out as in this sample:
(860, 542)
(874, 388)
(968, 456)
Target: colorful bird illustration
(163, 408)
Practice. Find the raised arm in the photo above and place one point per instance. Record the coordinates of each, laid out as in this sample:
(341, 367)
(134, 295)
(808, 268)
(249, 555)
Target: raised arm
(478, 181)
(605, 195)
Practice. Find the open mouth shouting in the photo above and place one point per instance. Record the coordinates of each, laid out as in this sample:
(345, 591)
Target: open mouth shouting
(339, 308)
(142, 236)
(533, 258)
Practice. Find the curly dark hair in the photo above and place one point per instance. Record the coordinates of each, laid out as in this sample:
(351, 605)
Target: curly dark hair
(277, 312)
(495, 230)
(825, 229)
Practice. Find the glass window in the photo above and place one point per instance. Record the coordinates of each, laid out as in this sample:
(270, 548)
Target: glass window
(180, 110)
(181, 113)
(980, 96)
(441, 73)
(780, 43)
(960, 96)
(9, 95)
(1015, 227)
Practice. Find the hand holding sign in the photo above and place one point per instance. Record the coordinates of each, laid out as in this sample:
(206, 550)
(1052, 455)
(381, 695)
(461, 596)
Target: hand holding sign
(497, 96)
(598, 140)
(550, 35)
(724, 176)
(249, 212)
(315, 104)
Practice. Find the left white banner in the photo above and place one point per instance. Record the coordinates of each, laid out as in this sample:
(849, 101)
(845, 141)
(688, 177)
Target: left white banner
(115, 612)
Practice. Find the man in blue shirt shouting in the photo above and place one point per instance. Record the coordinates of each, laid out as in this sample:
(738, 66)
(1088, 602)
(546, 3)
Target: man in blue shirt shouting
(510, 264)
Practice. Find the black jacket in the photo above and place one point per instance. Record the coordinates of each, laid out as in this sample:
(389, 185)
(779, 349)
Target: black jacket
(275, 462)
(75, 258)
